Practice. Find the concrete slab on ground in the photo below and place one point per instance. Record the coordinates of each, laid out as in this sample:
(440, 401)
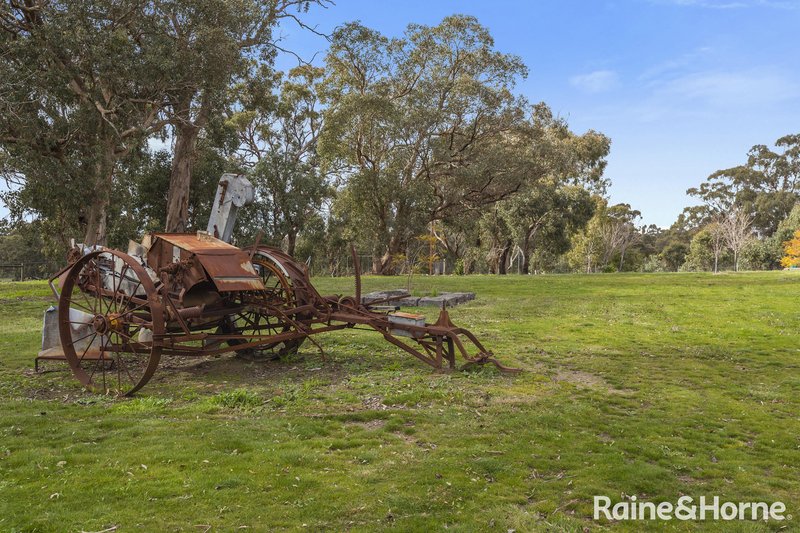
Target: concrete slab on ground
(404, 298)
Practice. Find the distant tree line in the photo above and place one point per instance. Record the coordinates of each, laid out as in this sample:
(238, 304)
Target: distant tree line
(417, 149)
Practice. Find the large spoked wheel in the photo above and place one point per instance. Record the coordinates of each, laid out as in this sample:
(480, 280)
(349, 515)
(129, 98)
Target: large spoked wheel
(109, 315)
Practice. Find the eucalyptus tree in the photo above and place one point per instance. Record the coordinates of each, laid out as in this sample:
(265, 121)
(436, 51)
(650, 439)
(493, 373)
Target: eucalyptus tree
(86, 83)
(83, 85)
(424, 124)
(767, 186)
(545, 217)
(618, 232)
(563, 170)
(215, 43)
(277, 134)
(610, 232)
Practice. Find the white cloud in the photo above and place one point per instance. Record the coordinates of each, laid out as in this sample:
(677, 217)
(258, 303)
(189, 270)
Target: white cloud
(712, 4)
(677, 64)
(731, 89)
(732, 4)
(710, 93)
(595, 82)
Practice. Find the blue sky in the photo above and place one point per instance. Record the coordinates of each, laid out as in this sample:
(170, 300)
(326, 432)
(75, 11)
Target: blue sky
(682, 87)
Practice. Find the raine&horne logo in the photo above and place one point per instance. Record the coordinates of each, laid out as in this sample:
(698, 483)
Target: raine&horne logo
(686, 508)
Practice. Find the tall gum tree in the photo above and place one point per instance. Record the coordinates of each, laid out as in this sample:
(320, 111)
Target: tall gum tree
(278, 133)
(413, 120)
(95, 71)
(215, 42)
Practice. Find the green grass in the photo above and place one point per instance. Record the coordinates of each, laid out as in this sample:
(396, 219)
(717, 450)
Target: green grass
(652, 385)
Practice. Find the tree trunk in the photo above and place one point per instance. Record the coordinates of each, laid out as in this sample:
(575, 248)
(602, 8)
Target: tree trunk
(526, 252)
(502, 266)
(181, 178)
(526, 268)
(382, 264)
(716, 261)
(96, 223)
(96, 226)
(291, 241)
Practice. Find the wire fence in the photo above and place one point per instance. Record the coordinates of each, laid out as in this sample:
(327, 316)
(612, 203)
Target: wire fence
(26, 271)
(337, 266)
(342, 265)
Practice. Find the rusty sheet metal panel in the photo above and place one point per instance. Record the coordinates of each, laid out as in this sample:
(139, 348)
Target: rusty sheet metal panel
(227, 266)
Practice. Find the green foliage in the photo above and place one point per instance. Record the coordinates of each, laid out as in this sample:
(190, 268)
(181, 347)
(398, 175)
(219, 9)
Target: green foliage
(147, 404)
(654, 263)
(277, 136)
(606, 238)
(758, 254)
(420, 121)
(701, 256)
(766, 187)
(546, 216)
(674, 256)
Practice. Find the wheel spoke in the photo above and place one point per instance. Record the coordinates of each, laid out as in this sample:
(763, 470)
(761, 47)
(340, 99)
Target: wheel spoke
(85, 350)
(74, 341)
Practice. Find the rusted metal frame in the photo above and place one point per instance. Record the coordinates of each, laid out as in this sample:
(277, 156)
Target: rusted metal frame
(105, 293)
(55, 277)
(256, 244)
(298, 276)
(127, 347)
(179, 350)
(165, 297)
(357, 269)
(416, 353)
(484, 356)
(450, 353)
(307, 308)
(444, 331)
(301, 326)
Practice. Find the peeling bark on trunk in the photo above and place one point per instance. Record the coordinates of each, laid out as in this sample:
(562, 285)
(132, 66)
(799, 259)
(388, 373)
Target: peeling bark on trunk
(180, 180)
(526, 248)
(96, 224)
(502, 263)
(526, 267)
(382, 263)
(291, 242)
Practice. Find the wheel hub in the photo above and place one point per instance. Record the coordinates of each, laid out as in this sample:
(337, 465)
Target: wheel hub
(104, 324)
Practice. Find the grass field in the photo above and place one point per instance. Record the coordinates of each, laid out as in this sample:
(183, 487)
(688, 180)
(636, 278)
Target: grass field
(654, 385)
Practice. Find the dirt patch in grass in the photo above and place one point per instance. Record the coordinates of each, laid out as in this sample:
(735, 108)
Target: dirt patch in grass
(588, 381)
(370, 424)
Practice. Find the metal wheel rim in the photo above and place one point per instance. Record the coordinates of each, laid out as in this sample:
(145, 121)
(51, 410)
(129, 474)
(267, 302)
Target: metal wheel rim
(113, 344)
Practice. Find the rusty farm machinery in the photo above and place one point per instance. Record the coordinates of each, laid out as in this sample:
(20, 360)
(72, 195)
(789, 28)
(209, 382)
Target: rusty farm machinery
(173, 294)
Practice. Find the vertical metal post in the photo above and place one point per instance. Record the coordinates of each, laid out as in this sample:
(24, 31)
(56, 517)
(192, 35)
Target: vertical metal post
(430, 251)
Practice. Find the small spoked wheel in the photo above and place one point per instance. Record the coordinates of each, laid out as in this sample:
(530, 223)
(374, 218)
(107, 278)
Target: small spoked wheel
(279, 294)
(111, 322)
